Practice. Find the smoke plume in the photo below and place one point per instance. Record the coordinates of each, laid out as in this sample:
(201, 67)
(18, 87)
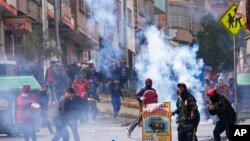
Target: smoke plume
(167, 66)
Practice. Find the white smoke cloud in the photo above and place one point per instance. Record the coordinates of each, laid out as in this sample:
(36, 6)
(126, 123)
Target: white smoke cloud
(164, 64)
(167, 66)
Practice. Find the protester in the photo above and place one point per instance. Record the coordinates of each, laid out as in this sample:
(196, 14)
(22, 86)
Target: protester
(44, 102)
(124, 74)
(146, 95)
(62, 116)
(116, 95)
(188, 114)
(50, 78)
(92, 99)
(27, 103)
(80, 85)
(75, 111)
(222, 88)
(221, 107)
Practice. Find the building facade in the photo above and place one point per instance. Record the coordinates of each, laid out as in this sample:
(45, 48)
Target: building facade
(80, 39)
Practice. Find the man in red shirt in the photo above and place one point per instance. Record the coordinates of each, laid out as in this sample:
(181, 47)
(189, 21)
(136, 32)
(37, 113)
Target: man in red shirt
(26, 105)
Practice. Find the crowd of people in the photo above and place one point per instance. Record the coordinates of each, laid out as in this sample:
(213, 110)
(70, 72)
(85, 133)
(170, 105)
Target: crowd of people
(75, 93)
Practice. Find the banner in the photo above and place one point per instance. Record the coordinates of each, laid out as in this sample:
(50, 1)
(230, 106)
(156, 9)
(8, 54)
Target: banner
(156, 119)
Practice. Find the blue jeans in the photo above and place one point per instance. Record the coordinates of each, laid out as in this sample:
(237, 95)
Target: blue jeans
(52, 91)
(116, 102)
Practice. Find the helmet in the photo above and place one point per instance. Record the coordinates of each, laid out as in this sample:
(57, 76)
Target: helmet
(148, 82)
(91, 62)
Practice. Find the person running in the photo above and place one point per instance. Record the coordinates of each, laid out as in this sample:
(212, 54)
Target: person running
(62, 115)
(116, 95)
(146, 95)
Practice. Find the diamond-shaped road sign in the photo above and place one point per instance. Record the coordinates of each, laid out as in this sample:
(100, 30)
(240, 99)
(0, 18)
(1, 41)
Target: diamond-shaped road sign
(231, 22)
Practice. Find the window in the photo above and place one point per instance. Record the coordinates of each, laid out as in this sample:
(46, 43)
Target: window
(82, 5)
(129, 17)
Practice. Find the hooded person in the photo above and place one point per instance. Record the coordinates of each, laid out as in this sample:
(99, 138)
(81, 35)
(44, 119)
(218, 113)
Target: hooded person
(222, 88)
(188, 114)
(146, 95)
(222, 108)
(26, 105)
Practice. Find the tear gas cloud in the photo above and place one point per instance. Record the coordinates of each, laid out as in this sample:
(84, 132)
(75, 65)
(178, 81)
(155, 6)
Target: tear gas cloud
(164, 64)
(167, 66)
(104, 12)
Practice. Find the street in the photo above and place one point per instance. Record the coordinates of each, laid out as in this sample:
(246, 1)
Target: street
(106, 131)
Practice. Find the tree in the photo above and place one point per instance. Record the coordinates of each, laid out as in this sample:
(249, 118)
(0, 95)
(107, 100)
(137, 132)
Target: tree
(31, 47)
(216, 44)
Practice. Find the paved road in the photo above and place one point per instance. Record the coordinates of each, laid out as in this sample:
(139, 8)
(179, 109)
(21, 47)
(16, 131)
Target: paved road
(106, 131)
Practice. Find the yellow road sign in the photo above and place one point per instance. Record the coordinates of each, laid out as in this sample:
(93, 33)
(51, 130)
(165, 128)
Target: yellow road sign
(231, 22)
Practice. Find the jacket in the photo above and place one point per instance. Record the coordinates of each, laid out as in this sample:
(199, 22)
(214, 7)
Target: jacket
(24, 110)
(186, 105)
(223, 109)
(115, 90)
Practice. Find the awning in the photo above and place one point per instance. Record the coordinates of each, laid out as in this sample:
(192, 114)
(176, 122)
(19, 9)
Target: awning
(243, 79)
(18, 24)
(17, 82)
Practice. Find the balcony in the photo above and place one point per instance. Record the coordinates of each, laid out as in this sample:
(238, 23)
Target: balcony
(8, 7)
(67, 22)
(85, 34)
(29, 8)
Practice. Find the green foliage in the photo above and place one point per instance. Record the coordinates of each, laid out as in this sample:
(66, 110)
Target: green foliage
(32, 46)
(216, 44)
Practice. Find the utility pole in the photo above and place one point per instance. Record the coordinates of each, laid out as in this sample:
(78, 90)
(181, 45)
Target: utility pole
(45, 23)
(125, 27)
(57, 21)
(45, 31)
(235, 78)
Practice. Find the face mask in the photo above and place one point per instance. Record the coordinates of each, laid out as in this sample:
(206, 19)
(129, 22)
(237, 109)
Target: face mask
(25, 94)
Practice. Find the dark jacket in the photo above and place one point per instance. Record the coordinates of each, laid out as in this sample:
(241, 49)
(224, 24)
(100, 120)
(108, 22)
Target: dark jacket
(75, 107)
(141, 93)
(115, 90)
(62, 109)
(92, 92)
(223, 109)
(44, 99)
(186, 105)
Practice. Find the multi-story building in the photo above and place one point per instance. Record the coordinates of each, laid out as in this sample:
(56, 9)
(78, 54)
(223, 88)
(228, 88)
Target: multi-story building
(7, 8)
(77, 40)
(179, 17)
